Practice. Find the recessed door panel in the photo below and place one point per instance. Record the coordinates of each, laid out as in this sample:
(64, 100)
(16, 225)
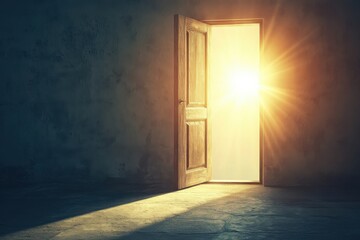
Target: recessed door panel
(196, 140)
(196, 49)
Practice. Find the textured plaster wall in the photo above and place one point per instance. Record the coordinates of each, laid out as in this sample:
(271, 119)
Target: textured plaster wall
(86, 89)
(312, 122)
(86, 92)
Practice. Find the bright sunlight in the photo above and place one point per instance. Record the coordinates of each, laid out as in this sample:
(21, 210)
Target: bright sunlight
(235, 78)
(244, 83)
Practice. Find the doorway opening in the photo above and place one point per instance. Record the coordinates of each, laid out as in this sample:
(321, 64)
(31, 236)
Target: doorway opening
(235, 106)
(217, 105)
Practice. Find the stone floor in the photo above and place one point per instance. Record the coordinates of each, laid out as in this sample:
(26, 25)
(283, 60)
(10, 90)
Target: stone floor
(207, 211)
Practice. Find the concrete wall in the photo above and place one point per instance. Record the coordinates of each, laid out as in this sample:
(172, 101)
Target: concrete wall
(86, 89)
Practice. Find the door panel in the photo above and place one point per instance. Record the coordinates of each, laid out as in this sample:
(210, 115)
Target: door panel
(196, 144)
(196, 68)
(191, 93)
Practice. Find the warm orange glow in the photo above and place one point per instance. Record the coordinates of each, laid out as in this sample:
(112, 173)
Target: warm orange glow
(279, 100)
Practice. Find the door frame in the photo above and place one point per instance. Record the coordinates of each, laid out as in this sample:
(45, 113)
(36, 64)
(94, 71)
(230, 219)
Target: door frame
(259, 21)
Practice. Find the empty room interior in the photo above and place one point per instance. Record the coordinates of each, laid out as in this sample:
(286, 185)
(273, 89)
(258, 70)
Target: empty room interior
(183, 119)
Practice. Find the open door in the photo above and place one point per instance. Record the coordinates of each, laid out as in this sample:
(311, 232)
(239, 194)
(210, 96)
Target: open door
(192, 102)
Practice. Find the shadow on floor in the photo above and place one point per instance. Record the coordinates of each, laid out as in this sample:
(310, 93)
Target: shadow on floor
(264, 213)
(208, 211)
(24, 208)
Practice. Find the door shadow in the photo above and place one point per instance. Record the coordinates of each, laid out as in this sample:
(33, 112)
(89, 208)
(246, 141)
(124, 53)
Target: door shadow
(252, 212)
(24, 208)
(264, 213)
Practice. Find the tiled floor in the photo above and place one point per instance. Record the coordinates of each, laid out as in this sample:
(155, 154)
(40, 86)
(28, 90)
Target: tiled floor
(208, 211)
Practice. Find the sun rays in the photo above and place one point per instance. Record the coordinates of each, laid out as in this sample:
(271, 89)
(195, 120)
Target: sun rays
(277, 98)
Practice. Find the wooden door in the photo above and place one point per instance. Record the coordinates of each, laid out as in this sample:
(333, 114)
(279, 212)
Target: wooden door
(192, 102)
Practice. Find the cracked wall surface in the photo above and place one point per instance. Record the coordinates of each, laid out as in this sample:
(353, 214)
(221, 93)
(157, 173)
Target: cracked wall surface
(86, 89)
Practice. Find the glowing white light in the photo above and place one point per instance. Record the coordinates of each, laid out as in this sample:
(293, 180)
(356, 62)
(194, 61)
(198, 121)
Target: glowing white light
(244, 83)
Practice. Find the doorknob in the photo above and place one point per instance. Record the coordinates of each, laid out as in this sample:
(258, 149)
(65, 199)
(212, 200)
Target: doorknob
(181, 101)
